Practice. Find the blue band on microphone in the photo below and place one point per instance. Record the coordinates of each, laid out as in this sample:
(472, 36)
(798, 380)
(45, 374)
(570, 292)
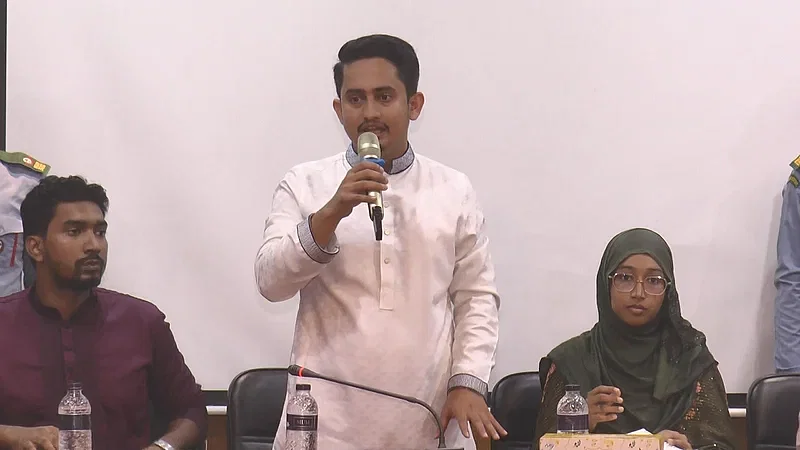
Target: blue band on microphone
(378, 161)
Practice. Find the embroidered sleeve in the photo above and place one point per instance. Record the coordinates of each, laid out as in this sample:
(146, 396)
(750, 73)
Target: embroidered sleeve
(707, 423)
(554, 388)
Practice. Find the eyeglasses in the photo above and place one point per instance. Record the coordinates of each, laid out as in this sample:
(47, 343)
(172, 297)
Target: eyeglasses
(626, 282)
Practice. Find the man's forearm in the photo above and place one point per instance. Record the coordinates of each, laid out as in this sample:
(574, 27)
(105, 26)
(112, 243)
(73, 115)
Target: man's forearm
(183, 433)
(323, 225)
(5, 438)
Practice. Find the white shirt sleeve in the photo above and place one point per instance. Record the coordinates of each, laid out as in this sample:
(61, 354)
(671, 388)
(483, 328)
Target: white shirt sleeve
(289, 257)
(475, 300)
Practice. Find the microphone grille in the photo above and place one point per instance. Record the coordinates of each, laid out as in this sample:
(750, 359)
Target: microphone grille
(369, 145)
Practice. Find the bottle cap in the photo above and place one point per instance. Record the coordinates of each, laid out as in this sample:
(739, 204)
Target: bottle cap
(75, 386)
(573, 387)
(303, 387)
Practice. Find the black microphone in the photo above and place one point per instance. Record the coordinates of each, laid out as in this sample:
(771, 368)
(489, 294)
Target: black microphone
(369, 148)
(300, 371)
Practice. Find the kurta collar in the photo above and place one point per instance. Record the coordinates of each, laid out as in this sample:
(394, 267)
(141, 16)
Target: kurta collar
(398, 165)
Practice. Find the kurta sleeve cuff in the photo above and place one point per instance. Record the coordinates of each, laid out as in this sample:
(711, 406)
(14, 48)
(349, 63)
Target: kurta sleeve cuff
(322, 255)
(470, 382)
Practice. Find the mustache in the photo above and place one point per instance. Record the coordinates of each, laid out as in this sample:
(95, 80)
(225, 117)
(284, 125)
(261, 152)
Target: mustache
(367, 126)
(88, 259)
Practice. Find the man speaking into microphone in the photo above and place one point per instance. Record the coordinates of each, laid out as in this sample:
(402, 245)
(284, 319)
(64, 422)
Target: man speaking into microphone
(413, 311)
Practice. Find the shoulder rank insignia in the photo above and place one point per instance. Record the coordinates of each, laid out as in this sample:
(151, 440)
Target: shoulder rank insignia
(796, 163)
(21, 159)
(793, 179)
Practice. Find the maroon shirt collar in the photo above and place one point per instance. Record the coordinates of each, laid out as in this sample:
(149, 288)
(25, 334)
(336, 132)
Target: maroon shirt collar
(86, 314)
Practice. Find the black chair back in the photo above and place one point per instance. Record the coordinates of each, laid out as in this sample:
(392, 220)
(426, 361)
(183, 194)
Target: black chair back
(773, 403)
(255, 408)
(515, 404)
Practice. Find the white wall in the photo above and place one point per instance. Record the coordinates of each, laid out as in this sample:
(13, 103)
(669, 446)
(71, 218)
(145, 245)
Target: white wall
(574, 120)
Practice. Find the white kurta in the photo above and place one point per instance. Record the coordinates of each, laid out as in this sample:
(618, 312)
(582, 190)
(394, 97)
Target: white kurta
(404, 314)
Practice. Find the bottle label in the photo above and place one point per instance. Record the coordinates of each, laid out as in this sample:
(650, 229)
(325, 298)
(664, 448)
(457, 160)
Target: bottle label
(573, 423)
(301, 423)
(70, 422)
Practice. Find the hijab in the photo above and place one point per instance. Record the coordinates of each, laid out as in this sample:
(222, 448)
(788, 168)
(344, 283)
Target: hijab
(655, 366)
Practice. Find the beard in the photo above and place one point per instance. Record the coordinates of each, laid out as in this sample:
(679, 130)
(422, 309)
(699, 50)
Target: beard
(80, 280)
(77, 284)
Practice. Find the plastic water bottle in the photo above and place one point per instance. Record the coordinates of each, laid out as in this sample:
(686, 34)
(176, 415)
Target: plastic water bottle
(573, 412)
(301, 420)
(75, 420)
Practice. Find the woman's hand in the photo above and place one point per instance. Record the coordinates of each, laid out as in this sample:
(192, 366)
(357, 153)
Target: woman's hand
(676, 439)
(605, 402)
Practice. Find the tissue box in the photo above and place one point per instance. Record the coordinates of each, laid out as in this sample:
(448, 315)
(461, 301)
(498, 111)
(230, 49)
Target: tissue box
(553, 441)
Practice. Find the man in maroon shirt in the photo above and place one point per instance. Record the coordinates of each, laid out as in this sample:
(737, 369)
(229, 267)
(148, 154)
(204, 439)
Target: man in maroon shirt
(66, 329)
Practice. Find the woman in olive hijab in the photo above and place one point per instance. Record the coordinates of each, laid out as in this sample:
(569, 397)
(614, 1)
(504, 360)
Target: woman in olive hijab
(642, 365)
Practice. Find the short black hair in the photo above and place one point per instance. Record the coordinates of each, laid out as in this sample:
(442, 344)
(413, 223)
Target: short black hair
(393, 49)
(39, 206)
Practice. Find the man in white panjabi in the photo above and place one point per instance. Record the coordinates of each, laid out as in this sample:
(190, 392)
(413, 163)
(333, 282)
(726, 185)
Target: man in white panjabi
(414, 313)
